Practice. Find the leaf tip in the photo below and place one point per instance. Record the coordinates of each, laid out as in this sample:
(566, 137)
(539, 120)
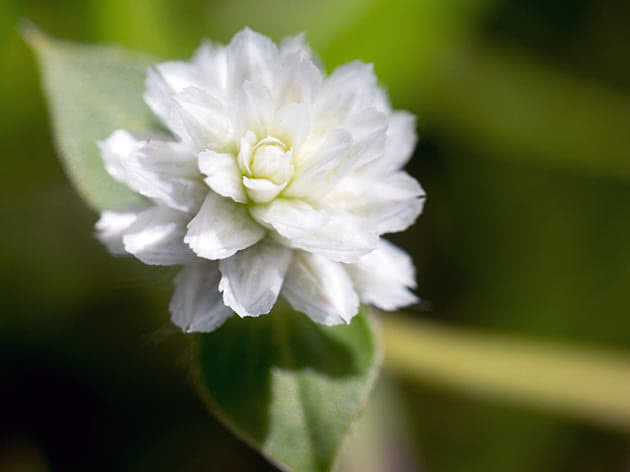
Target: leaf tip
(31, 33)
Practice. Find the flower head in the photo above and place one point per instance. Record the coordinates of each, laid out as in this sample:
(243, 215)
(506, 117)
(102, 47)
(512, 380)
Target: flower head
(277, 180)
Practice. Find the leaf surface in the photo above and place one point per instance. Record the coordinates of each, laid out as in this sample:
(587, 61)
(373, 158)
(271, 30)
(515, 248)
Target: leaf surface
(288, 386)
(92, 90)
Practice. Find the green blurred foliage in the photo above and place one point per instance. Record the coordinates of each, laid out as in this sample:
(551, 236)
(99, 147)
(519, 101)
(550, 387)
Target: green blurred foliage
(523, 111)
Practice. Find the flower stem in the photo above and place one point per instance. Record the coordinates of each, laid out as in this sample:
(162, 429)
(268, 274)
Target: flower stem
(586, 383)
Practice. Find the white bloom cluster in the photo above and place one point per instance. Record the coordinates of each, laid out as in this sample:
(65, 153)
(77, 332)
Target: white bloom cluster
(277, 180)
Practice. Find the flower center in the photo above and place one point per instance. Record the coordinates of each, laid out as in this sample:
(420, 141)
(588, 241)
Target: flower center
(272, 161)
(266, 167)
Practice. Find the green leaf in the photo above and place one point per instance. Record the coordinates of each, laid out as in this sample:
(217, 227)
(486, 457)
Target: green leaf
(92, 91)
(288, 386)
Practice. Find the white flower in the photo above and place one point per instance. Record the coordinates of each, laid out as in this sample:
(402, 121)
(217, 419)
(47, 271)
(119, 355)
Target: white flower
(277, 180)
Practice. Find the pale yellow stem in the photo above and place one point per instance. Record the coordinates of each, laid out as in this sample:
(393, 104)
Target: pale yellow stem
(583, 382)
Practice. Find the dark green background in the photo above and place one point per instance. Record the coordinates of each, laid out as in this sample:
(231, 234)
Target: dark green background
(525, 160)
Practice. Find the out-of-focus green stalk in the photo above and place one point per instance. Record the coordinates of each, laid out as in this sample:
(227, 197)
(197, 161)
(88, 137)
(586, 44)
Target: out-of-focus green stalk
(585, 383)
(510, 104)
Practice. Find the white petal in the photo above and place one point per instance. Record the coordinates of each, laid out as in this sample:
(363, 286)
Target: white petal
(344, 238)
(206, 118)
(256, 107)
(391, 203)
(321, 289)
(179, 75)
(211, 59)
(292, 124)
(290, 218)
(384, 277)
(262, 190)
(326, 165)
(396, 202)
(221, 228)
(111, 227)
(399, 216)
(401, 139)
(223, 174)
(251, 56)
(252, 278)
(399, 145)
(197, 304)
(298, 78)
(163, 171)
(245, 152)
(381, 101)
(159, 97)
(295, 45)
(172, 175)
(169, 158)
(325, 153)
(369, 131)
(156, 237)
(116, 151)
(347, 91)
(166, 81)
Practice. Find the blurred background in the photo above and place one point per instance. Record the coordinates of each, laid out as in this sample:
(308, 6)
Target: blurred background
(524, 118)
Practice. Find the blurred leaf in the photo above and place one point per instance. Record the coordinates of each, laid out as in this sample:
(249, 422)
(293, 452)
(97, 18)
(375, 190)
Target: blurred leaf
(512, 105)
(7, 19)
(405, 39)
(143, 24)
(581, 382)
(92, 91)
(288, 386)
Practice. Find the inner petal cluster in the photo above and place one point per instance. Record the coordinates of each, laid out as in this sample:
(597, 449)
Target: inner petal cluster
(266, 166)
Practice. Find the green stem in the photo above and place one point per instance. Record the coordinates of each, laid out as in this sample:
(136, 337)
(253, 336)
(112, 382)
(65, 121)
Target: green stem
(585, 383)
